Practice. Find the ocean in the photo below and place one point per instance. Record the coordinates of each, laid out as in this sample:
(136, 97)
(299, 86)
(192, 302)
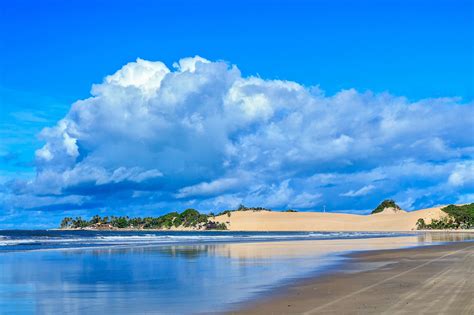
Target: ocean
(136, 272)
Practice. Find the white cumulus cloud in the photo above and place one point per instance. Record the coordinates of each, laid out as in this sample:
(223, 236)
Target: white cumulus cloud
(201, 133)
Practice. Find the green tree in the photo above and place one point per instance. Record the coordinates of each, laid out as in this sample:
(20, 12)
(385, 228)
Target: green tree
(96, 219)
(211, 225)
(420, 224)
(66, 222)
(458, 217)
(120, 222)
(242, 208)
(388, 203)
(79, 223)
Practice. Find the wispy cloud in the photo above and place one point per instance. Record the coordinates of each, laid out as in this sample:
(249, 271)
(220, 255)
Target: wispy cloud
(360, 192)
(35, 117)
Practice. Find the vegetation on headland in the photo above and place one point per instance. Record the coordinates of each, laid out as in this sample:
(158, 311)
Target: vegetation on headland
(190, 218)
(388, 203)
(242, 208)
(459, 217)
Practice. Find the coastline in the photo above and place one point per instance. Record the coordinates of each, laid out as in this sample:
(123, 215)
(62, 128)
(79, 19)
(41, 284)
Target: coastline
(264, 231)
(256, 220)
(240, 270)
(373, 282)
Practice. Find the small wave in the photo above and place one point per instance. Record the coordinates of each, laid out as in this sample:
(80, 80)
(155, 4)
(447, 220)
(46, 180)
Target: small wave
(61, 239)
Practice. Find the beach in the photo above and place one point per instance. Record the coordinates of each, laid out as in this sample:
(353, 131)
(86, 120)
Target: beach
(125, 272)
(433, 280)
(236, 157)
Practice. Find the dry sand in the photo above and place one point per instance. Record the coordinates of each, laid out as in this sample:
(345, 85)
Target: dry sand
(318, 221)
(423, 280)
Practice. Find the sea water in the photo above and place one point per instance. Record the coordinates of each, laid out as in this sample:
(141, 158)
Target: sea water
(93, 272)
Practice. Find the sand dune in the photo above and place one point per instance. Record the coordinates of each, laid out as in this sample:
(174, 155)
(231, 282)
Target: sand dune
(318, 221)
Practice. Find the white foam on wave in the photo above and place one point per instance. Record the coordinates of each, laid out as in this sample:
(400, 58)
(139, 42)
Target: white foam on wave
(147, 238)
(170, 238)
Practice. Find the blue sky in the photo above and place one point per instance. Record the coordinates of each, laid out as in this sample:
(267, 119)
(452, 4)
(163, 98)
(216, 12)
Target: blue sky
(420, 53)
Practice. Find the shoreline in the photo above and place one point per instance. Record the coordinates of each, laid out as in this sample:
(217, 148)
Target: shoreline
(374, 281)
(268, 231)
(253, 271)
(263, 220)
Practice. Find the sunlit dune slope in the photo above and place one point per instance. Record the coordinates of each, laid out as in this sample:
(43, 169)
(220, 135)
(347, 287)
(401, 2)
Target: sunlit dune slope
(318, 221)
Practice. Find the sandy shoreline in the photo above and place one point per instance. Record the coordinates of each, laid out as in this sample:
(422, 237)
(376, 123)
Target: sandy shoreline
(276, 221)
(434, 279)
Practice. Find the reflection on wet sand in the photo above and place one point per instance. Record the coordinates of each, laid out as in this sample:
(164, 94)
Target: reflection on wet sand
(153, 279)
(285, 249)
(441, 236)
(322, 247)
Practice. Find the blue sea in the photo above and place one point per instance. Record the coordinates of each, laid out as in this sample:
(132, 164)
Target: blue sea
(92, 272)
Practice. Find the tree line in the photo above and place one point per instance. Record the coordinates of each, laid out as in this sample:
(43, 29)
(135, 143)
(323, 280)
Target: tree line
(459, 217)
(188, 218)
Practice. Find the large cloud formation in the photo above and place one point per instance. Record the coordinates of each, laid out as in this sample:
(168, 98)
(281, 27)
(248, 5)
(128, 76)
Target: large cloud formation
(202, 135)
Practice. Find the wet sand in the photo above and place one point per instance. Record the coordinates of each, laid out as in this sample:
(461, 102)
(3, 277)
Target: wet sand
(433, 280)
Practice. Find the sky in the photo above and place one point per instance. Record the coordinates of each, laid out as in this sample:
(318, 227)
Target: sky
(145, 107)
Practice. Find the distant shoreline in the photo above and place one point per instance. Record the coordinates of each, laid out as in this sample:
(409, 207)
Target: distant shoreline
(269, 231)
(279, 221)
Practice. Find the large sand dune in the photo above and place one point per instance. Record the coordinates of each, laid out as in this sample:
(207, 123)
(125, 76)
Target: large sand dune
(318, 221)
